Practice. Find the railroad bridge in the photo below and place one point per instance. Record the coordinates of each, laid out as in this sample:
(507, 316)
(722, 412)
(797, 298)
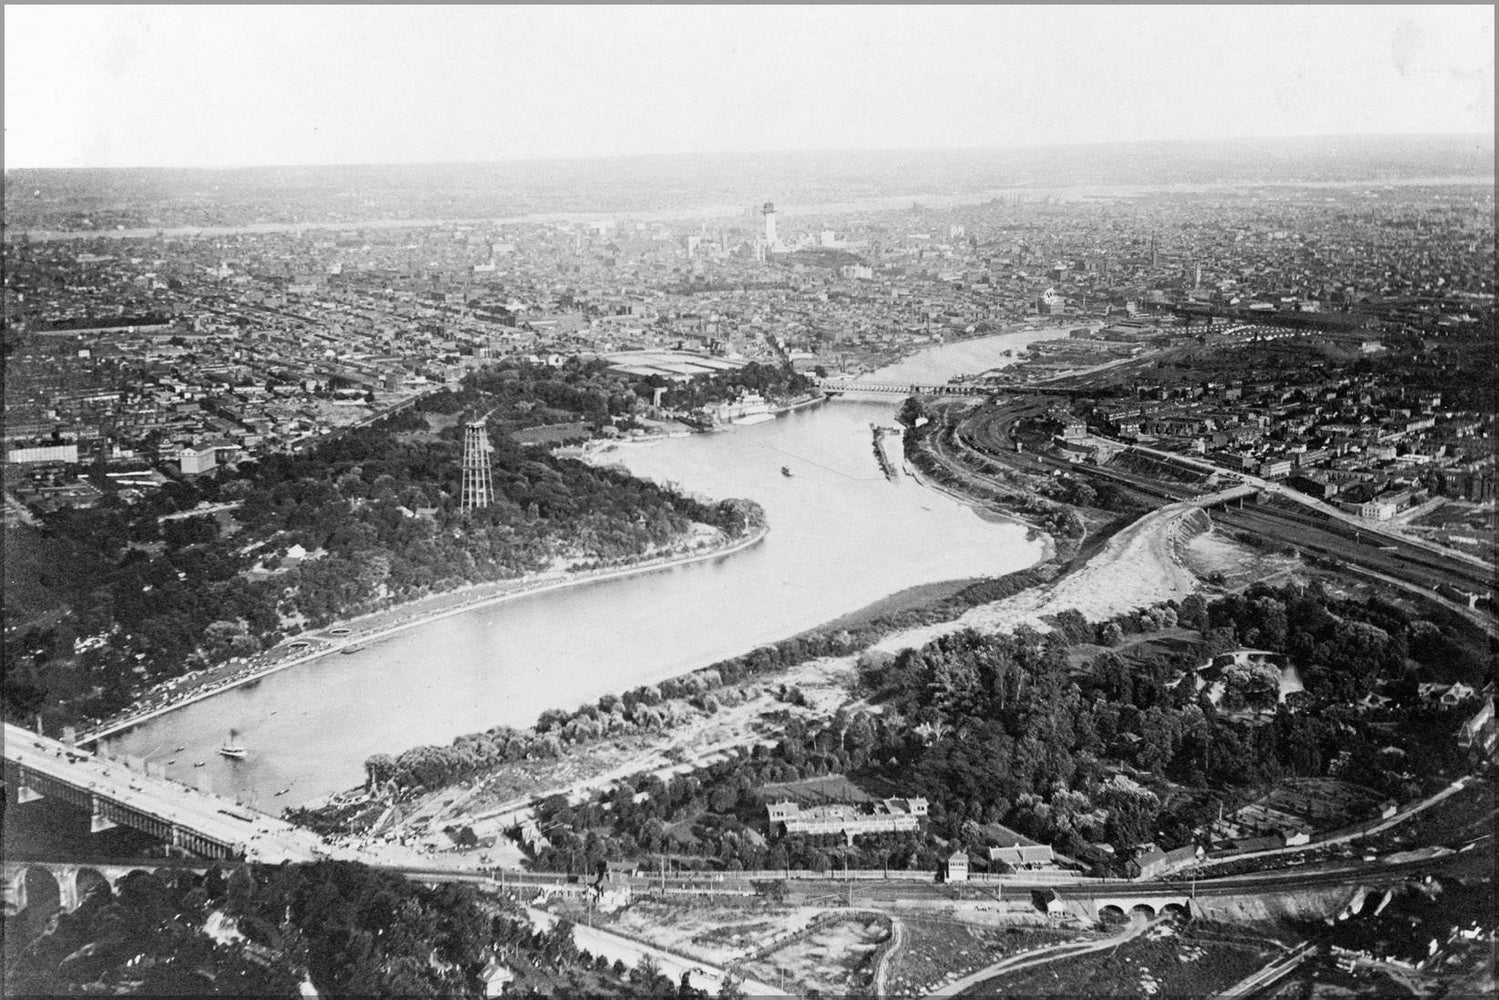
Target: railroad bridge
(1122, 907)
(837, 387)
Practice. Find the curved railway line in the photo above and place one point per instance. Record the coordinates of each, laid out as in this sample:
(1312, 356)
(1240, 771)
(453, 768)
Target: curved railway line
(985, 437)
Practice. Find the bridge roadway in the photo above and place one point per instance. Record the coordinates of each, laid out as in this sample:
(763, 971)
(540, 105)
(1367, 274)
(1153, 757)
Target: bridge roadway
(838, 386)
(201, 822)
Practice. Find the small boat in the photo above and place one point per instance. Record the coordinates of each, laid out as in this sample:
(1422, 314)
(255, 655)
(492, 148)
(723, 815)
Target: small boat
(282, 792)
(200, 763)
(785, 472)
(179, 749)
(350, 649)
(172, 761)
(231, 749)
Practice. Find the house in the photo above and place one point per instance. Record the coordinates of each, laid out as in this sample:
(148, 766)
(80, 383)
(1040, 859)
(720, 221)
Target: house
(1248, 845)
(1022, 855)
(956, 868)
(1479, 731)
(531, 837)
(496, 977)
(1154, 862)
(1051, 903)
(1447, 695)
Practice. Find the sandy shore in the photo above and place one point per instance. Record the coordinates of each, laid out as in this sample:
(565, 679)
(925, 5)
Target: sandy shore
(1139, 566)
(347, 634)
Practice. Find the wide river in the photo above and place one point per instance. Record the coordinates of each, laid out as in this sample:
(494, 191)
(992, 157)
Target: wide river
(841, 537)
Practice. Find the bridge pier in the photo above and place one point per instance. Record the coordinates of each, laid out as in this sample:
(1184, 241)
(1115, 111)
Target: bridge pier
(15, 893)
(67, 886)
(98, 822)
(24, 791)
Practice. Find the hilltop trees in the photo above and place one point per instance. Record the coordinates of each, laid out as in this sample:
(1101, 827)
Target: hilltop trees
(173, 594)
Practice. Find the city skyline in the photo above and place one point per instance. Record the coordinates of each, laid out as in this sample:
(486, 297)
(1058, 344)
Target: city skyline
(233, 87)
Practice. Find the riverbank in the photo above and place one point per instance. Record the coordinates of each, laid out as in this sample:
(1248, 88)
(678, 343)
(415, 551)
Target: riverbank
(349, 634)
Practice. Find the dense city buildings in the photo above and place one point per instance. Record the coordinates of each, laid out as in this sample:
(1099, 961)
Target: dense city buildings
(183, 354)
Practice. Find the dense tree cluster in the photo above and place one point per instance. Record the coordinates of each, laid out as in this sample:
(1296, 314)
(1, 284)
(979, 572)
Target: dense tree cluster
(101, 602)
(345, 929)
(522, 394)
(1066, 742)
(657, 707)
(774, 382)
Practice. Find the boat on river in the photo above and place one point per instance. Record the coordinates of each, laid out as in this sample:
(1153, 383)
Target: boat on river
(785, 472)
(231, 749)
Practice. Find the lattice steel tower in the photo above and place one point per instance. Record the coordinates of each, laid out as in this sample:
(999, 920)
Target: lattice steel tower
(478, 485)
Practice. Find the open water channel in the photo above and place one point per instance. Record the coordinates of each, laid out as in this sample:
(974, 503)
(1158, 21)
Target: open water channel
(841, 536)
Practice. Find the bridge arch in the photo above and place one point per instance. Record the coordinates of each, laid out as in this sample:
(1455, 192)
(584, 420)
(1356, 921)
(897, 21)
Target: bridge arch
(1111, 914)
(90, 881)
(36, 897)
(1141, 911)
(1179, 912)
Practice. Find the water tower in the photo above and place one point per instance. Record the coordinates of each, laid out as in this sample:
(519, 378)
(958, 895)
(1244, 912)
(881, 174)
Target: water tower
(478, 484)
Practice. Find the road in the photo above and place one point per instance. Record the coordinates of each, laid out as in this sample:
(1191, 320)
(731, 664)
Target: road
(882, 971)
(1395, 820)
(1328, 510)
(1055, 953)
(1277, 969)
(616, 948)
(263, 838)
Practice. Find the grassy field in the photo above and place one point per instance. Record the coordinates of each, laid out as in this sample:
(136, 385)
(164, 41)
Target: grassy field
(812, 791)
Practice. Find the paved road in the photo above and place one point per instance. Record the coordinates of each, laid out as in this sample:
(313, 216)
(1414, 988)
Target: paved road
(264, 838)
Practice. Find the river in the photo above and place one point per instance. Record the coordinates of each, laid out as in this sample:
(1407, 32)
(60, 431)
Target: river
(841, 537)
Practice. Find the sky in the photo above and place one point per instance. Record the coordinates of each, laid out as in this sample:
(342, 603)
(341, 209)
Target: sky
(239, 85)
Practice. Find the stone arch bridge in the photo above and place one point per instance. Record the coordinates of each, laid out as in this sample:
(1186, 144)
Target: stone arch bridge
(1122, 907)
(73, 882)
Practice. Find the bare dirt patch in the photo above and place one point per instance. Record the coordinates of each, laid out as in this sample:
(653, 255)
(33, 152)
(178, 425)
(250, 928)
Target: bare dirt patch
(720, 933)
(837, 957)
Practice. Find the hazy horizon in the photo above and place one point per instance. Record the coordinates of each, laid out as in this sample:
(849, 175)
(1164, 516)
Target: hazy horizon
(240, 87)
(797, 153)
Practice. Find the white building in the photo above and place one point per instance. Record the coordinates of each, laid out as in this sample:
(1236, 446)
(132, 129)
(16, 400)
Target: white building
(887, 816)
(67, 453)
(193, 461)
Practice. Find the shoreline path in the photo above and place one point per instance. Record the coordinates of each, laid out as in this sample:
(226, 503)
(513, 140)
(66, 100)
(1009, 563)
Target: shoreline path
(343, 635)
